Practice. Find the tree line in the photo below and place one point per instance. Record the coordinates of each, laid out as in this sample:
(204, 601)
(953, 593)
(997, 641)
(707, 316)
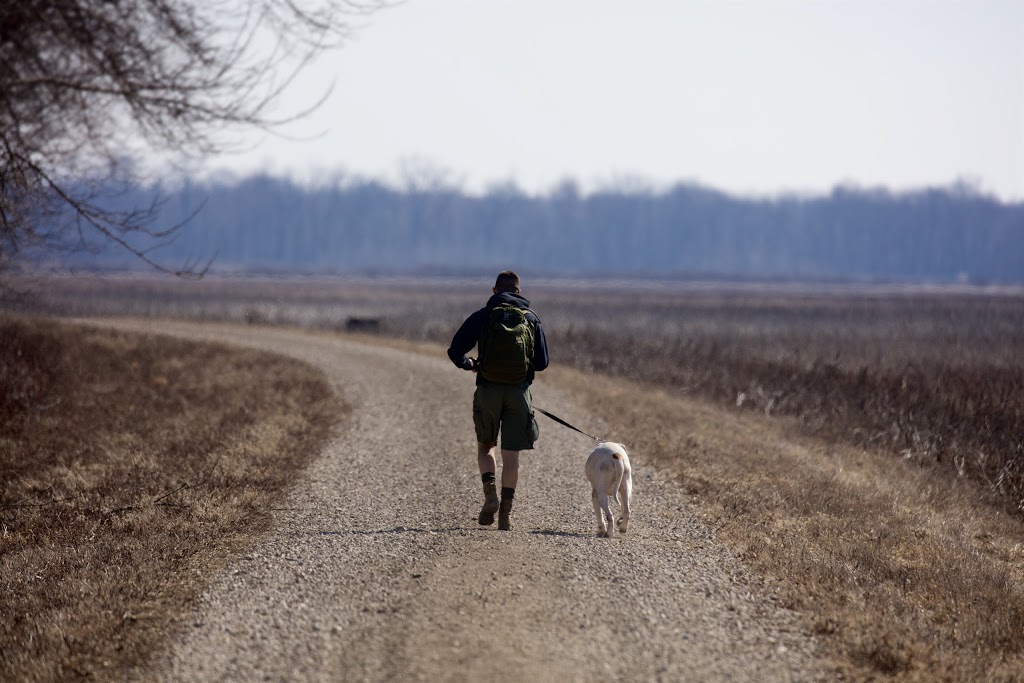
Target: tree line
(275, 224)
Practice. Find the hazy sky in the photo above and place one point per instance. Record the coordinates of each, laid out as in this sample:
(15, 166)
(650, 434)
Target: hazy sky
(750, 97)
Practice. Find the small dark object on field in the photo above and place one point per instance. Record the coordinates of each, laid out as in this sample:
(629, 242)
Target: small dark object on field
(362, 325)
(256, 317)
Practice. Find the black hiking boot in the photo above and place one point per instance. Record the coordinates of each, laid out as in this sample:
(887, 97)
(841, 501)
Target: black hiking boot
(505, 515)
(486, 517)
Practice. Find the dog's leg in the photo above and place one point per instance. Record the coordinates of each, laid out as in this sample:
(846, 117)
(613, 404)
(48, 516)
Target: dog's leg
(625, 493)
(601, 530)
(608, 522)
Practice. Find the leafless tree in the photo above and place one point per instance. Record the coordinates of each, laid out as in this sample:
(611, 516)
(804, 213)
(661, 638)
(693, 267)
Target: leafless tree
(86, 85)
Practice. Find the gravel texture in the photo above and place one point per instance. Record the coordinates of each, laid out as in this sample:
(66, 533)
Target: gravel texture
(377, 570)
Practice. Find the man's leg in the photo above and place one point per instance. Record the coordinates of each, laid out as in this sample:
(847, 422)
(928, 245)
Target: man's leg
(485, 457)
(485, 460)
(518, 430)
(486, 422)
(509, 479)
(509, 468)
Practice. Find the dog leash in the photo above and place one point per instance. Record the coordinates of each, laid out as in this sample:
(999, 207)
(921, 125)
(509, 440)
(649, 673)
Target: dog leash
(563, 422)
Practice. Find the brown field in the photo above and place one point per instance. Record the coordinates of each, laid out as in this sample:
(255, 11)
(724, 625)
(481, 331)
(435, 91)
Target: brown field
(932, 377)
(130, 469)
(880, 481)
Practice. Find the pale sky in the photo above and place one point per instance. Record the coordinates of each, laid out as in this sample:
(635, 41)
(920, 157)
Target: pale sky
(755, 97)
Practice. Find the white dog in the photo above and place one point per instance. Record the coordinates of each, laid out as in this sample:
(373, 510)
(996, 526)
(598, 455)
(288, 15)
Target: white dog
(610, 475)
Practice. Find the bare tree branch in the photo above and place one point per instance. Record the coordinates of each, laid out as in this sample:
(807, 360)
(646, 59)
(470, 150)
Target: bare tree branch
(85, 84)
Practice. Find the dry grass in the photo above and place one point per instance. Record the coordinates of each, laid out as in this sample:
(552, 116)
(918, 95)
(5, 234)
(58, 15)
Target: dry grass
(130, 468)
(939, 381)
(903, 572)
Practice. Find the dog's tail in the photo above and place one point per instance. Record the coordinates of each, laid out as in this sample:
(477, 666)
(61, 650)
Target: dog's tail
(620, 471)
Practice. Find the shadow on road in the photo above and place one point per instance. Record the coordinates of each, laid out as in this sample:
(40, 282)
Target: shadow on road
(420, 530)
(378, 532)
(552, 532)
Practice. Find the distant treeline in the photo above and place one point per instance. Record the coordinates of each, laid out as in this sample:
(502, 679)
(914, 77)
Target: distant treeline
(266, 223)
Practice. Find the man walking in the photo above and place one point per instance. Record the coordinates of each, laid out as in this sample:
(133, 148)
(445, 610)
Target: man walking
(510, 348)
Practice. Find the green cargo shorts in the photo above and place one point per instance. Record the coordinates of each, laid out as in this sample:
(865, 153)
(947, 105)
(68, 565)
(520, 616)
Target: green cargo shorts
(508, 408)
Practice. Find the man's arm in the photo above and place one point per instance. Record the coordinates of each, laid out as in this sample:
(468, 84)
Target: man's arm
(540, 347)
(464, 341)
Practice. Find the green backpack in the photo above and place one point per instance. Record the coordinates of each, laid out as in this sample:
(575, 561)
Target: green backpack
(506, 345)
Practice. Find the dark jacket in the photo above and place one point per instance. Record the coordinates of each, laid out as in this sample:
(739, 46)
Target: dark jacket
(469, 334)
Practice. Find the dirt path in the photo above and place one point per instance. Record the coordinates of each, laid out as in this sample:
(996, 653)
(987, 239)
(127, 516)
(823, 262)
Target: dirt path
(377, 569)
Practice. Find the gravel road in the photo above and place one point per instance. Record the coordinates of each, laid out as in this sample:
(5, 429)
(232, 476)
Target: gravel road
(377, 569)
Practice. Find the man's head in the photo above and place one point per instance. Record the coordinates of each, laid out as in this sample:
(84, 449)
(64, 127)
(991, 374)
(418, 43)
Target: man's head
(507, 281)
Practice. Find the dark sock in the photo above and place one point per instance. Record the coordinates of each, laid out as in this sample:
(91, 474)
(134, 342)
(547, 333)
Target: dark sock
(487, 477)
(507, 493)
